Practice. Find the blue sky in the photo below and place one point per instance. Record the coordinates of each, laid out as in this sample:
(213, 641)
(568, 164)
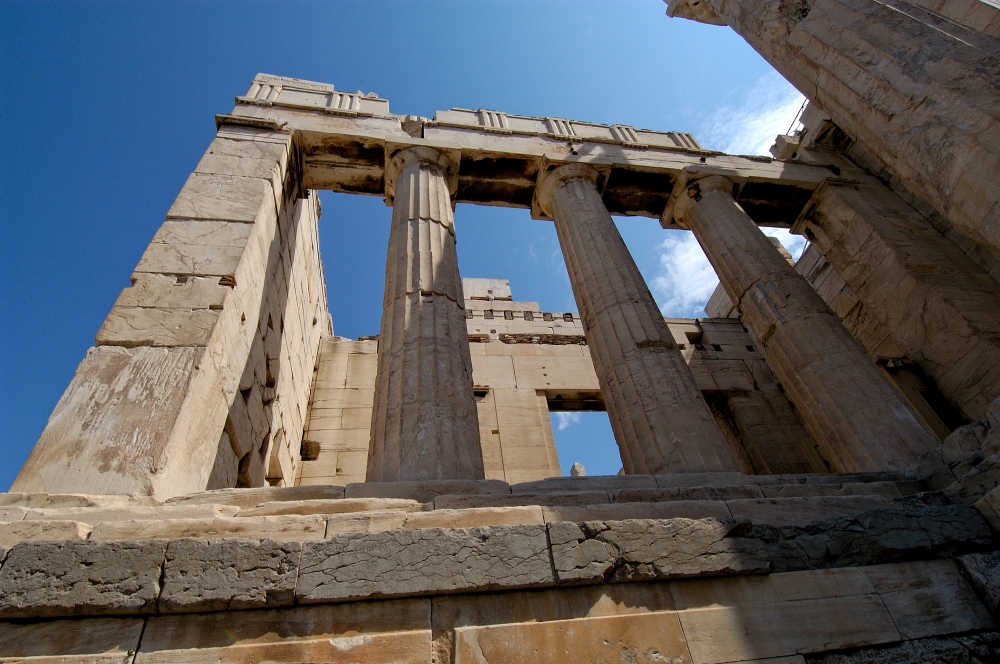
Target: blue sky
(107, 106)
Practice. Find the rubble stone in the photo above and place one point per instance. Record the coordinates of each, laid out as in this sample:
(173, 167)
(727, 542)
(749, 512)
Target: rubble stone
(413, 562)
(41, 579)
(225, 574)
(983, 570)
(635, 550)
(886, 535)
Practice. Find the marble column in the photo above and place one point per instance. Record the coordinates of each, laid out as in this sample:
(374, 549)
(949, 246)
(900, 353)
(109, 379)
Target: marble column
(424, 421)
(860, 420)
(659, 417)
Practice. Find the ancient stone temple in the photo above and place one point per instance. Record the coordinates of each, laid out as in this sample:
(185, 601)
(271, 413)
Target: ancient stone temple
(809, 474)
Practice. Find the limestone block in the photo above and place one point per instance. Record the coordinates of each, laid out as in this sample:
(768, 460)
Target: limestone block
(885, 489)
(686, 509)
(141, 326)
(803, 511)
(95, 515)
(203, 233)
(243, 158)
(385, 564)
(973, 649)
(327, 506)
(745, 491)
(765, 631)
(928, 598)
(246, 498)
(426, 491)
(169, 292)
(221, 197)
(37, 499)
(284, 528)
(543, 373)
(227, 574)
(567, 602)
(375, 521)
(396, 631)
(593, 483)
(96, 639)
(41, 579)
(977, 482)
(578, 498)
(881, 536)
(475, 517)
(197, 260)
(642, 550)
(642, 639)
(983, 570)
(12, 513)
(123, 446)
(42, 531)
(701, 479)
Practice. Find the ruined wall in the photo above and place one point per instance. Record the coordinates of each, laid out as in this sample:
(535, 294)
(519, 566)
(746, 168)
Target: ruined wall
(263, 432)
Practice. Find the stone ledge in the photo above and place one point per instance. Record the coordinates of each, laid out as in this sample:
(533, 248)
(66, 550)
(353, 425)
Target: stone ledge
(426, 491)
(47, 579)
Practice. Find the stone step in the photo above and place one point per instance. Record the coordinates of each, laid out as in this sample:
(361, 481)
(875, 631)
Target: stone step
(139, 577)
(742, 618)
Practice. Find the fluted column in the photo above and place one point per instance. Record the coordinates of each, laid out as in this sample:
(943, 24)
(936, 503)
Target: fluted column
(659, 417)
(424, 422)
(849, 407)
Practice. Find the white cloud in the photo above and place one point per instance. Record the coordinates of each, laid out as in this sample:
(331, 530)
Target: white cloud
(684, 279)
(566, 419)
(750, 125)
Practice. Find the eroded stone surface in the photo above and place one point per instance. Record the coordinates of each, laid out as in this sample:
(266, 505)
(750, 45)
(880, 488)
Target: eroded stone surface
(975, 649)
(886, 535)
(433, 560)
(223, 574)
(246, 498)
(983, 570)
(41, 579)
(635, 550)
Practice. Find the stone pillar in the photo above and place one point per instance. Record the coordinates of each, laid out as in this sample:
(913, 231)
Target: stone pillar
(915, 89)
(660, 419)
(860, 420)
(148, 409)
(424, 422)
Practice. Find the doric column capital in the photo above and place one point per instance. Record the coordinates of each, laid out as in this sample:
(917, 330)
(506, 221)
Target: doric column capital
(401, 156)
(549, 181)
(690, 190)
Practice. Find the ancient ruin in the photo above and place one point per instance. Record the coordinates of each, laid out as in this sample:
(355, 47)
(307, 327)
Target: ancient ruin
(809, 474)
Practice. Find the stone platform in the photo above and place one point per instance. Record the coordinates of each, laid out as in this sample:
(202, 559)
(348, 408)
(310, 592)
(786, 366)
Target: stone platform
(712, 567)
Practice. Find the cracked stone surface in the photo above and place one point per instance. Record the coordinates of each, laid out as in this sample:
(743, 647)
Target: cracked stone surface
(983, 570)
(223, 574)
(41, 579)
(637, 550)
(907, 532)
(432, 560)
(973, 649)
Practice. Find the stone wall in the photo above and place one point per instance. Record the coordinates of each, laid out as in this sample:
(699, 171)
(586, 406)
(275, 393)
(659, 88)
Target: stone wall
(148, 405)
